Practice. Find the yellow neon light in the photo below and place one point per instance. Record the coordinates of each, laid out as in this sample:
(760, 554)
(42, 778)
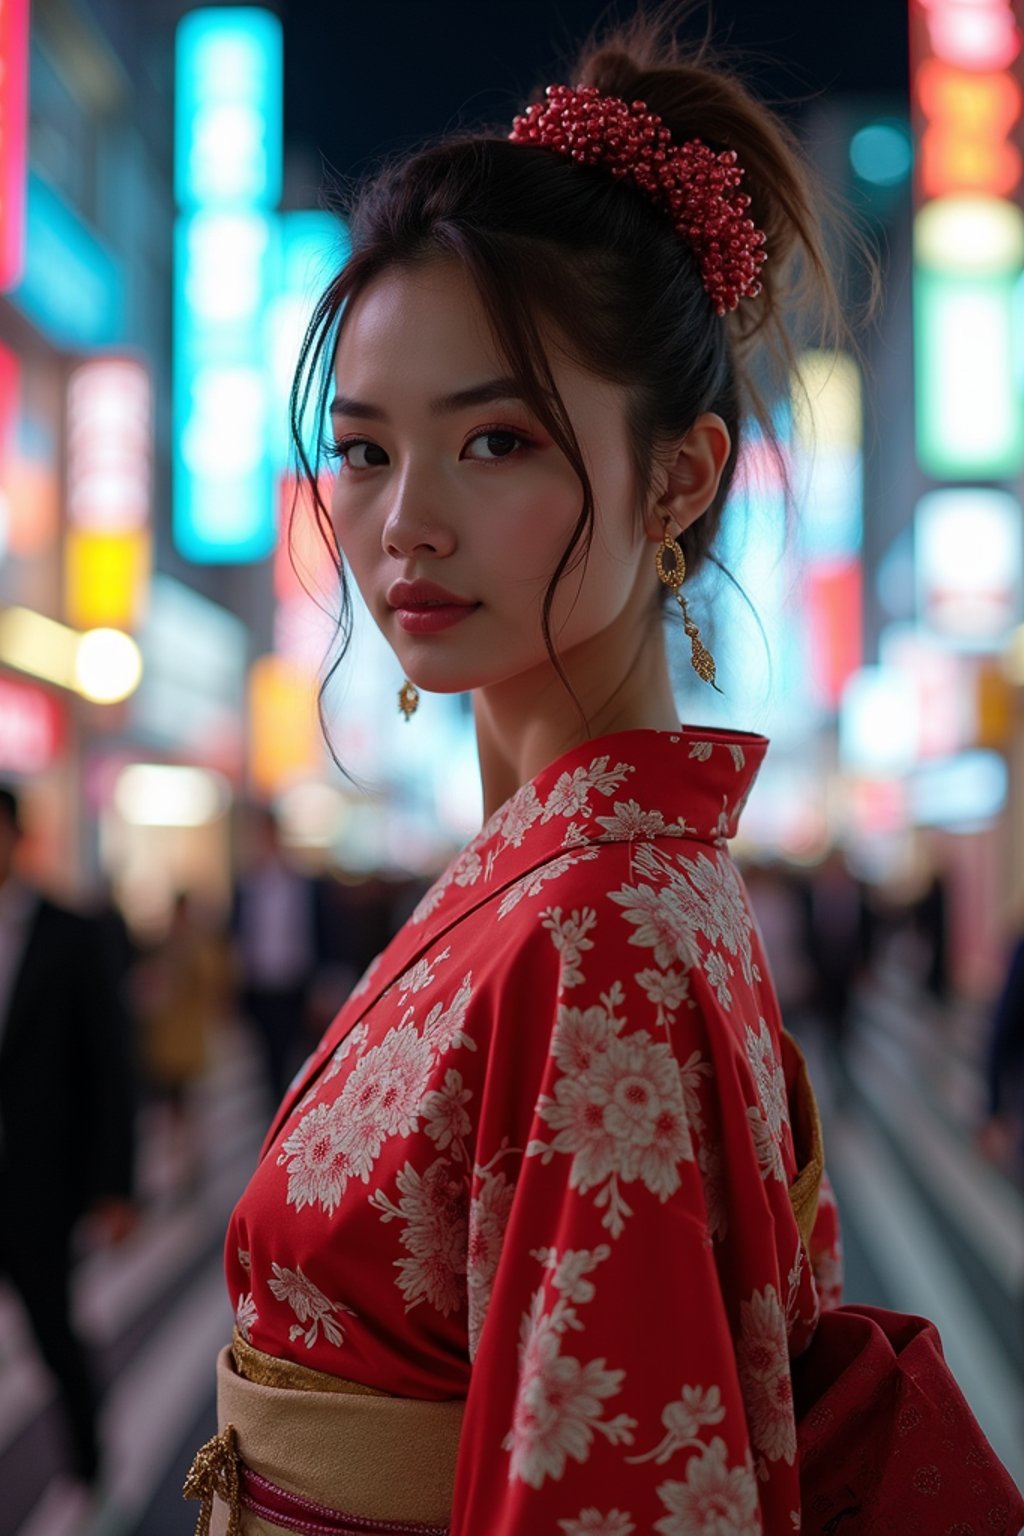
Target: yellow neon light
(39, 646)
(103, 665)
(107, 577)
(284, 741)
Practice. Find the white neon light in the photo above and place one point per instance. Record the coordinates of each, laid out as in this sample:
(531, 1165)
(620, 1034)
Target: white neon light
(976, 236)
(164, 795)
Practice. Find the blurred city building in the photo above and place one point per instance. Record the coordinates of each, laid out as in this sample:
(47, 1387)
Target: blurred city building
(161, 636)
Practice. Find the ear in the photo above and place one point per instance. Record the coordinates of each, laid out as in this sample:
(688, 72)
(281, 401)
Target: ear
(689, 475)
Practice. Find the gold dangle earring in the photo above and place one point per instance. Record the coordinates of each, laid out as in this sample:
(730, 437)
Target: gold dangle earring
(671, 564)
(408, 698)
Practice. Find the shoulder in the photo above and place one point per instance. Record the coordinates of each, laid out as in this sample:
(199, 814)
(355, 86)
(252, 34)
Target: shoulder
(68, 929)
(57, 919)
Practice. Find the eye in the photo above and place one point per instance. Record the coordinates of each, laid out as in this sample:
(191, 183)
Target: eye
(498, 443)
(357, 453)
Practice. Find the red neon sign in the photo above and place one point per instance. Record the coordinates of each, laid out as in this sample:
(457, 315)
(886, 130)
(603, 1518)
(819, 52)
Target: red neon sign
(31, 728)
(13, 133)
(967, 144)
(10, 388)
(302, 562)
(834, 605)
(968, 97)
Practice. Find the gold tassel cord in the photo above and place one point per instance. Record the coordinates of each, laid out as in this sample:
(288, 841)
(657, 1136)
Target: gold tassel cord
(671, 566)
(701, 659)
(214, 1474)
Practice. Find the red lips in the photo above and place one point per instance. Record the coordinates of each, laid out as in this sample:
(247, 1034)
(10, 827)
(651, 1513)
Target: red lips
(424, 594)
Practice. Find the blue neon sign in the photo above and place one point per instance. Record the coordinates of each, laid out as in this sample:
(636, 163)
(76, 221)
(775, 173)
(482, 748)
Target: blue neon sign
(228, 106)
(72, 287)
(313, 248)
(223, 482)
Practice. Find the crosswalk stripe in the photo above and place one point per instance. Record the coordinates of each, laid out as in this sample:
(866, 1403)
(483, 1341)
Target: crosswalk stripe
(158, 1397)
(975, 1199)
(908, 1253)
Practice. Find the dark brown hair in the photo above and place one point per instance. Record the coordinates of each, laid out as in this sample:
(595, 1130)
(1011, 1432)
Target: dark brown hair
(546, 240)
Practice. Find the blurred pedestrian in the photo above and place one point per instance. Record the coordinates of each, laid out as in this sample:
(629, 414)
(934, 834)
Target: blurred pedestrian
(180, 992)
(932, 921)
(836, 948)
(777, 899)
(275, 931)
(1001, 1135)
(66, 1120)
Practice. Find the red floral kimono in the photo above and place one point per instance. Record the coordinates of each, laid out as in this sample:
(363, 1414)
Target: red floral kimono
(541, 1161)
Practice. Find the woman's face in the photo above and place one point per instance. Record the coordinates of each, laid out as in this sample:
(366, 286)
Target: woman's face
(445, 478)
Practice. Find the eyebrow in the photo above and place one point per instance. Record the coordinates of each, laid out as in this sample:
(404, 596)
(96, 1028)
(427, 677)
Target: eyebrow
(445, 405)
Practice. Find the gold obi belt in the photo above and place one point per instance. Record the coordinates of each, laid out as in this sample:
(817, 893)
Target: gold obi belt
(304, 1452)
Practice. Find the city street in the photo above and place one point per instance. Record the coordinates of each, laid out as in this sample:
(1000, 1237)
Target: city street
(929, 1227)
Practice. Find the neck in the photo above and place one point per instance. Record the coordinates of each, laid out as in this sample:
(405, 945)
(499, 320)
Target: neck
(526, 722)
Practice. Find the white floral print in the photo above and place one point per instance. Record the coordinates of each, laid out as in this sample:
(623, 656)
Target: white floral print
(420, 975)
(718, 971)
(622, 1118)
(629, 822)
(769, 1078)
(488, 1217)
(569, 936)
(769, 1156)
(533, 883)
(712, 1174)
(245, 1315)
(353, 1041)
(560, 1401)
(572, 791)
(433, 1212)
(334, 1143)
(444, 1112)
(715, 1499)
(762, 1359)
(683, 1421)
(309, 1304)
(443, 1024)
(523, 810)
(385, 1087)
(662, 924)
(321, 1158)
(591, 1522)
(714, 896)
(580, 1034)
(667, 990)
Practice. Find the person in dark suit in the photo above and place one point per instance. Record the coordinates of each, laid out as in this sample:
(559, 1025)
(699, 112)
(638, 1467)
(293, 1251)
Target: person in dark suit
(280, 924)
(66, 1120)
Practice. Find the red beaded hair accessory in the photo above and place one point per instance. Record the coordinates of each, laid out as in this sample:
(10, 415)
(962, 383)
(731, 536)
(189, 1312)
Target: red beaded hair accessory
(697, 187)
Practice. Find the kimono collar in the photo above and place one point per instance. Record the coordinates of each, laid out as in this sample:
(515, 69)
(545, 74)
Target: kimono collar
(630, 786)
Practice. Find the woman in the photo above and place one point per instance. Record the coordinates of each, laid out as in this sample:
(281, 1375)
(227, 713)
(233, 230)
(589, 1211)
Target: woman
(536, 1233)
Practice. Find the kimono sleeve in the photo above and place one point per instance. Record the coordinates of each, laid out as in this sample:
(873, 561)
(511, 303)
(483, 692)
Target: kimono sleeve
(631, 1367)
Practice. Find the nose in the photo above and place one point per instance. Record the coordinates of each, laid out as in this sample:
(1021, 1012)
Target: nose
(413, 524)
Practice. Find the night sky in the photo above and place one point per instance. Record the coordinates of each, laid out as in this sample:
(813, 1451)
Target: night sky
(365, 79)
